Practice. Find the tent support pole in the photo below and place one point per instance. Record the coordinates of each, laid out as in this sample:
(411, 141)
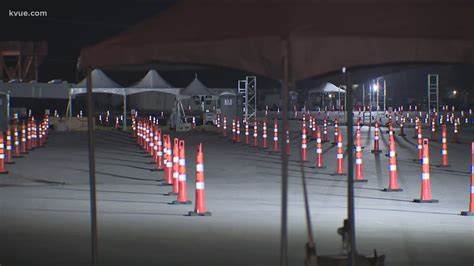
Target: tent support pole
(92, 183)
(350, 168)
(70, 110)
(124, 125)
(284, 159)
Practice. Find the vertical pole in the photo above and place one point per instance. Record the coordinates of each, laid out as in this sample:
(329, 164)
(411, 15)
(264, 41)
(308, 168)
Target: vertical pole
(384, 95)
(70, 109)
(93, 203)
(370, 103)
(8, 107)
(429, 95)
(363, 95)
(284, 158)
(350, 168)
(36, 68)
(363, 103)
(378, 96)
(437, 93)
(124, 125)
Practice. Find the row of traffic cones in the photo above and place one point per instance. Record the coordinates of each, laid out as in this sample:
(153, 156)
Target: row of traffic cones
(393, 186)
(29, 136)
(425, 194)
(169, 156)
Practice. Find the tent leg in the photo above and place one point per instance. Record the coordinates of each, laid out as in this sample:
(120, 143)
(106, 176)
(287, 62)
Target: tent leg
(68, 114)
(124, 125)
(92, 183)
(350, 167)
(284, 159)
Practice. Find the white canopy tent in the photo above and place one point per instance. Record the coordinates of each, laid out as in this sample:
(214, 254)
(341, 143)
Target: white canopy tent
(101, 83)
(155, 83)
(328, 88)
(197, 88)
(152, 81)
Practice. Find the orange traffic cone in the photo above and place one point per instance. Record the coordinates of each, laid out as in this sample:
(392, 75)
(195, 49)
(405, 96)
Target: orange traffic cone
(182, 193)
(359, 177)
(143, 134)
(8, 153)
(470, 212)
(325, 130)
(433, 129)
(152, 151)
(40, 136)
(167, 160)
(175, 168)
(340, 156)
(34, 135)
(420, 144)
(224, 127)
(16, 142)
(336, 132)
(425, 176)
(2, 155)
(28, 136)
(23, 139)
(455, 132)
(264, 141)
(153, 142)
(391, 137)
(444, 147)
(402, 126)
(319, 149)
(139, 133)
(247, 140)
(237, 131)
(255, 134)
(218, 123)
(417, 124)
(159, 150)
(313, 127)
(200, 207)
(234, 136)
(275, 136)
(304, 146)
(392, 168)
(146, 137)
(134, 127)
(376, 138)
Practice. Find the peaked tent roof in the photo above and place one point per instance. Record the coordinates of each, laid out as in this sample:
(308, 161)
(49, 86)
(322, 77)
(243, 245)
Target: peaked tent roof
(99, 80)
(326, 88)
(365, 33)
(152, 81)
(100, 83)
(196, 87)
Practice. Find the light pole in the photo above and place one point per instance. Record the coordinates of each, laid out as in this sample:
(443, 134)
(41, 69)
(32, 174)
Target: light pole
(376, 90)
(384, 95)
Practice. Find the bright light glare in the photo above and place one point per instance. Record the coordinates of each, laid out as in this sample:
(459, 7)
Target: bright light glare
(455, 92)
(376, 87)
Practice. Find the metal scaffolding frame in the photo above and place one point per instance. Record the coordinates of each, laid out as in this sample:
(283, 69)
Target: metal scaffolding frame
(433, 92)
(248, 89)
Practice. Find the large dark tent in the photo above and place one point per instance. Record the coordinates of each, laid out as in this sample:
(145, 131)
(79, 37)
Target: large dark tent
(323, 36)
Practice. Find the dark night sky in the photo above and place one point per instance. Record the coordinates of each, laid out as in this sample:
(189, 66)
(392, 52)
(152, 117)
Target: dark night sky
(71, 25)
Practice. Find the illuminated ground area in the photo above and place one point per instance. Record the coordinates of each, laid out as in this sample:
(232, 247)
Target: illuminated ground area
(44, 216)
